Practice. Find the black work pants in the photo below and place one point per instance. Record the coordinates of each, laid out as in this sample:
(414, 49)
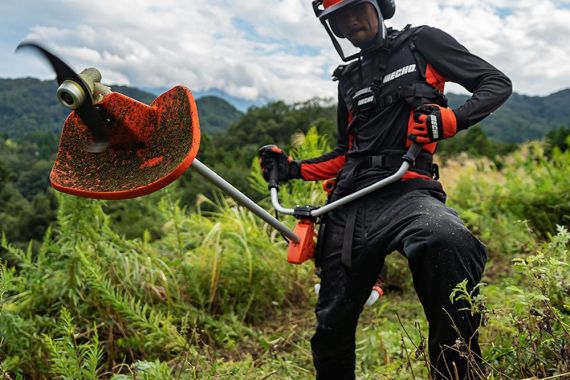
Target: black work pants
(410, 217)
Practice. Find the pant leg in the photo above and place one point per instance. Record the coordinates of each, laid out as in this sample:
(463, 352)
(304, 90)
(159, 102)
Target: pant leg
(412, 218)
(341, 298)
(441, 253)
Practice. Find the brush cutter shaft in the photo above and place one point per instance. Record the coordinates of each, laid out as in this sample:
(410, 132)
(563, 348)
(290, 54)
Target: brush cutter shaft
(227, 188)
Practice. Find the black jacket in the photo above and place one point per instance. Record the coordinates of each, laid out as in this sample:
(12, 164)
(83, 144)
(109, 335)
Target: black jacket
(427, 55)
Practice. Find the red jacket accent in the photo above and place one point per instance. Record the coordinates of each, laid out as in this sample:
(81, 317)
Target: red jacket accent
(322, 170)
(438, 81)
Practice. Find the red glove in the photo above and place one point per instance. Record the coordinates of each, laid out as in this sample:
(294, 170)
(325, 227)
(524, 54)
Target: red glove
(432, 123)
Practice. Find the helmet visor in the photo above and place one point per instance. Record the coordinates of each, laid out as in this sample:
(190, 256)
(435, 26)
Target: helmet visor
(354, 27)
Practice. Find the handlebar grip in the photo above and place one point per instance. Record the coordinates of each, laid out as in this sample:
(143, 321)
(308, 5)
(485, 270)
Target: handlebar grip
(412, 153)
(273, 173)
(274, 176)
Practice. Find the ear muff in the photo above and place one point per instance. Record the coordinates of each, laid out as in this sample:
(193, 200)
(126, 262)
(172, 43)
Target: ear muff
(387, 7)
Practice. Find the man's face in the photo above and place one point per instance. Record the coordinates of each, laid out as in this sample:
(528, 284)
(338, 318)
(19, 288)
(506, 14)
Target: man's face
(358, 24)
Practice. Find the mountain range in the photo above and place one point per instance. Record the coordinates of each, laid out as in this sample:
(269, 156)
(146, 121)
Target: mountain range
(29, 104)
(239, 103)
(523, 117)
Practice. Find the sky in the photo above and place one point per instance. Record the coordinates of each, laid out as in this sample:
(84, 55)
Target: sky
(267, 49)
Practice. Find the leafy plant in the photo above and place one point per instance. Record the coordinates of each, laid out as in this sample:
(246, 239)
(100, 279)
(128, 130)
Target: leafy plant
(71, 359)
(203, 291)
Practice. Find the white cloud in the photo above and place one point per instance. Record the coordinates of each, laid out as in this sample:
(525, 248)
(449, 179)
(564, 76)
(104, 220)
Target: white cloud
(272, 49)
(529, 43)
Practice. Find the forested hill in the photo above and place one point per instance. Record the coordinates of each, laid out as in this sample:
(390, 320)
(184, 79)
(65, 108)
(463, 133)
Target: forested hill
(524, 118)
(28, 105)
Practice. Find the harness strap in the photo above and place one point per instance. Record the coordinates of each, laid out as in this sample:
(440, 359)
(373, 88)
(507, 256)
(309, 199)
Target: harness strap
(346, 255)
(393, 160)
(417, 56)
(413, 95)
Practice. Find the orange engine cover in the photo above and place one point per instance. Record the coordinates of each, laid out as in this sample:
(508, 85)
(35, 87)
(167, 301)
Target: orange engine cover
(149, 147)
(305, 249)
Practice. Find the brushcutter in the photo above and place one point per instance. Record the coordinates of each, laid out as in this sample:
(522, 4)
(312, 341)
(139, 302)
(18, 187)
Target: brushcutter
(114, 147)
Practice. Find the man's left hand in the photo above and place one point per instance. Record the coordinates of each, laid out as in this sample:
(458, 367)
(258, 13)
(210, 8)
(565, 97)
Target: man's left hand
(432, 123)
(270, 155)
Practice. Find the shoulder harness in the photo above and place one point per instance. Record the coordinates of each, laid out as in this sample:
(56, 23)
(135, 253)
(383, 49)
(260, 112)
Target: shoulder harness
(366, 102)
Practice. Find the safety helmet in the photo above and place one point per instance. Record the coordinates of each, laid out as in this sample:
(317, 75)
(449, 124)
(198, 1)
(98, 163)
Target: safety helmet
(325, 10)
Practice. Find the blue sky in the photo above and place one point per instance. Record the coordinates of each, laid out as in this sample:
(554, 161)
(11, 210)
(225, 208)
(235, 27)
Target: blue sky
(268, 49)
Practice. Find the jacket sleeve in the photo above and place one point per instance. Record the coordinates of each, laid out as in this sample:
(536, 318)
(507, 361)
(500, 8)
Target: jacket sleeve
(490, 88)
(328, 165)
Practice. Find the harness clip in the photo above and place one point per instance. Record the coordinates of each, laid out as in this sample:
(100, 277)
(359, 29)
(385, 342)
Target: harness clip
(435, 171)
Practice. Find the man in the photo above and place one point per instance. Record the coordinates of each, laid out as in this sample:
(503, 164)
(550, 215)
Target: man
(390, 95)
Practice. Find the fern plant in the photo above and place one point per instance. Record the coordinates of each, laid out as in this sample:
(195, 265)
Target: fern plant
(71, 359)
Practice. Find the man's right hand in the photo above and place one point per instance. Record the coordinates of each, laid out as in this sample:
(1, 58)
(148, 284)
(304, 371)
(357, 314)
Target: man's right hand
(270, 155)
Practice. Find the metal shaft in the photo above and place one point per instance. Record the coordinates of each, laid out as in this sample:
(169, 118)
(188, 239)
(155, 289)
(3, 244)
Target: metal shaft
(276, 205)
(227, 188)
(347, 199)
(407, 160)
(367, 190)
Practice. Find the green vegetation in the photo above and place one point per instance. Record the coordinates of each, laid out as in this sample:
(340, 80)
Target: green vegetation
(512, 206)
(26, 205)
(231, 154)
(528, 315)
(475, 143)
(25, 108)
(558, 138)
(208, 293)
(184, 284)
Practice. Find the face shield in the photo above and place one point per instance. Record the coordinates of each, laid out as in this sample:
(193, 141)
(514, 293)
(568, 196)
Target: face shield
(354, 26)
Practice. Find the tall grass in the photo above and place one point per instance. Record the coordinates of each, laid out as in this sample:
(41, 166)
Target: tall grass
(512, 206)
(208, 294)
(209, 277)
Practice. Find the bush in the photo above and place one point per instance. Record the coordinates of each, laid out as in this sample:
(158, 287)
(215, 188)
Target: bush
(528, 332)
(196, 285)
(512, 207)
(207, 294)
